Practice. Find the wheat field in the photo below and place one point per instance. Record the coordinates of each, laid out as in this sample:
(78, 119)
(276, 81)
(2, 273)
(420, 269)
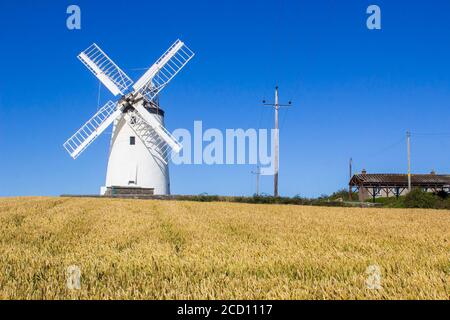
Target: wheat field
(149, 249)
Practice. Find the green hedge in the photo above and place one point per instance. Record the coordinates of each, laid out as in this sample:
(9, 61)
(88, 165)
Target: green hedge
(415, 199)
(418, 198)
(261, 199)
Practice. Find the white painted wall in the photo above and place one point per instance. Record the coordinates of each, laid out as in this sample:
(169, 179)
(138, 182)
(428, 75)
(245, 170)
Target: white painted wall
(134, 163)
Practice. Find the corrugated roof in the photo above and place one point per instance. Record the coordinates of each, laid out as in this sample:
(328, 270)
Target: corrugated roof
(389, 179)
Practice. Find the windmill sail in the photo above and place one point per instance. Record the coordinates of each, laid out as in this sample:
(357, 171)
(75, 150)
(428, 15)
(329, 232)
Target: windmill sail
(152, 141)
(105, 69)
(163, 70)
(158, 128)
(148, 86)
(92, 129)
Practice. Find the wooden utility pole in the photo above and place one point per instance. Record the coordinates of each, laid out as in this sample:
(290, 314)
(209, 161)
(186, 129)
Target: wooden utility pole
(277, 146)
(408, 142)
(276, 143)
(257, 173)
(350, 178)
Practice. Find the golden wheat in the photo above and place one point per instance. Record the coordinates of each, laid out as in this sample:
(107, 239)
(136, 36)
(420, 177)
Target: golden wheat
(141, 249)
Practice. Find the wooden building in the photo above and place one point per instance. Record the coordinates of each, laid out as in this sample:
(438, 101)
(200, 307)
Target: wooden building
(387, 185)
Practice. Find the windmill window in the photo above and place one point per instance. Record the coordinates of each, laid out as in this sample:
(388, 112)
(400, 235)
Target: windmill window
(132, 141)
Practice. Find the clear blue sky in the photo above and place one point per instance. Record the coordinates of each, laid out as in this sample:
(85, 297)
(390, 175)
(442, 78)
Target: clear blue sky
(355, 91)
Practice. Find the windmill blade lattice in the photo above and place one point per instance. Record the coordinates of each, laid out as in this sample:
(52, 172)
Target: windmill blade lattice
(146, 88)
(105, 69)
(77, 143)
(163, 70)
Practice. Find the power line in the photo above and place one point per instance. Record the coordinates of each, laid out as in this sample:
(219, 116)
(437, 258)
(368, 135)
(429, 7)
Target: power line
(400, 141)
(430, 134)
(386, 148)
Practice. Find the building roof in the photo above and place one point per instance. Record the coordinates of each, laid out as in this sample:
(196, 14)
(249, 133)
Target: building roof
(400, 180)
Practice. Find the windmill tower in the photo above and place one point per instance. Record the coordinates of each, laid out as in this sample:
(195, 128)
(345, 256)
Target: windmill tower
(140, 144)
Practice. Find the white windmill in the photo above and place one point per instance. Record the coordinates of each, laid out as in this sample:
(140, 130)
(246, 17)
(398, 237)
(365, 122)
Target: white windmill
(140, 144)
